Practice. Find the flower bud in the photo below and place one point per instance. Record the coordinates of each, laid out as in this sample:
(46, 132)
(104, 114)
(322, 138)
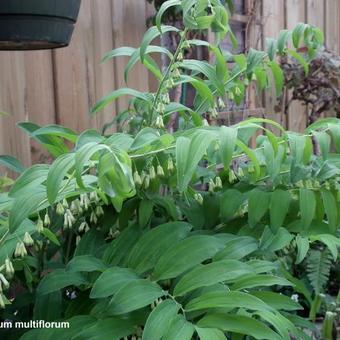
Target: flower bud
(152, 173)
(211, 185)
(93, 218)
(159, 123)
(170, 164)
(205, 122)
(218, 182)
(180, 56)
(232, 176)
(160, 171)
(137, 179)
(47, 220)
(78, 239)
(2, 302)
(60, 209)
(240, 173)
(3, 281)
(40, 225)
(198, 198)
(82, 227)
(9, 268)
(94, 197)
(65, 203)
(28, 241)
(221, 103)
(99, 210)
(147, 182)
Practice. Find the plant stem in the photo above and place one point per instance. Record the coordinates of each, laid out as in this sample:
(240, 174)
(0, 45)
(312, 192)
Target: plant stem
(167, 73)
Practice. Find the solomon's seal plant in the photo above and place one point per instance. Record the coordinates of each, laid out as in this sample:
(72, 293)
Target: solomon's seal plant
(184, 235)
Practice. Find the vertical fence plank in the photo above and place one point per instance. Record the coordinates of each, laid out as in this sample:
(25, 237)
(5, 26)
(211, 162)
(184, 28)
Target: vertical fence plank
(297, 114)
(74, 75)
(40, 104)
(273, 23)
(129, 25)
(332, 25)
(12, 100)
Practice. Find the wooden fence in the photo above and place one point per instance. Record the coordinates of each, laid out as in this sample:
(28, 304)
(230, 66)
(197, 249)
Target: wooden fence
(60, 86)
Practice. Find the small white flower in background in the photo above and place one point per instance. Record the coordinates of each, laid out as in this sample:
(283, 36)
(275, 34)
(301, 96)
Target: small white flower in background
(295, 297)
(47, 220)
(160, 171)
(152, 173)
(170, 164)
(137, 179)
(60, 209)
(28, 240)
(40, 225)
(199, 198)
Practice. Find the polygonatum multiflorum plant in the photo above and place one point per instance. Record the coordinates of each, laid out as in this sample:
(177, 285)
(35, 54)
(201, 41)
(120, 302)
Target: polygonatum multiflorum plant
(184, 235)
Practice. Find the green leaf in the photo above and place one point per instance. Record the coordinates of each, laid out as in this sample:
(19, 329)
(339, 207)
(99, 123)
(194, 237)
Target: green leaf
(185, 255)
(51, 236)
(154, 243)
(59, 279)
(271, 48)
(279, 207)
(115, 95)
(277, 301)
(230, 201)
(108, 328)
(124, 51)
(160, 319)
(278, 77)
(200, 86)
(165, 6)
(307, 207)
(226, 299)
(302, 244)
(332, 242)
(237, 248)
(258, 205)
(83, 155)
(111, 281)
(29, 180)
(85, 263)
(145, 212)
(134, 295)
(298, 33)
(24, 206)
(259, 280)
(152, 33)
(209, 274)
(228, 138)
(331, 210)
(180, 328)
(238, 324)
(251, 155)
(210, 334)
(56, 130)
(300, 59)
(58, 171)
(189, 153)
(282, 40)
(11, 163)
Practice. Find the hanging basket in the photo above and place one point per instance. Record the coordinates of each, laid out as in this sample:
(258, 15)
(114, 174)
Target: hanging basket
(37, 24)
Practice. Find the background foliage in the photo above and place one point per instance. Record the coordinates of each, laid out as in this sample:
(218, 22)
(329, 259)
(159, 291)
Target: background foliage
(208, 232)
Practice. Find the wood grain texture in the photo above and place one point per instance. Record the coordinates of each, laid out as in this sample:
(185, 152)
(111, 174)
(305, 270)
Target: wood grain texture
(297, 115)
(13, 100)
(273, 23)
(129, 17)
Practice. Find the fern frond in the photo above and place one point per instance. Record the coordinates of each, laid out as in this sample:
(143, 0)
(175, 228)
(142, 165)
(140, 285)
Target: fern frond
(318, 269)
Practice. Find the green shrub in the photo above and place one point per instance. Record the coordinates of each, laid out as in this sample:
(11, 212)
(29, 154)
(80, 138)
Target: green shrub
(175, 235)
